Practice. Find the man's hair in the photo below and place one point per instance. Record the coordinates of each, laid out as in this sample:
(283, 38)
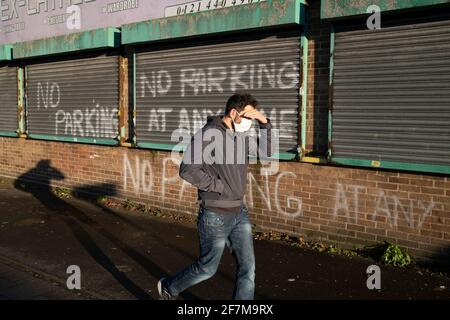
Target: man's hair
(239, 101)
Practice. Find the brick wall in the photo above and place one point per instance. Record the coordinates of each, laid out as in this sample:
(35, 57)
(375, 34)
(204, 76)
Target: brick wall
(334, 204)
(318, 80)
(341, 205)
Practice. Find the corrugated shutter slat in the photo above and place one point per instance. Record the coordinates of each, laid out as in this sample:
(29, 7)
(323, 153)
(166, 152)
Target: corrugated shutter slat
(74, 98)
(8, 99)
(391, 98)
(179, 87)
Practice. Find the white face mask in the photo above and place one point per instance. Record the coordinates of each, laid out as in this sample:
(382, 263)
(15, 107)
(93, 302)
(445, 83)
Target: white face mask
(244, 126)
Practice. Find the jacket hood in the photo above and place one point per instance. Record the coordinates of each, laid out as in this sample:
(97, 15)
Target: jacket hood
(215, 122)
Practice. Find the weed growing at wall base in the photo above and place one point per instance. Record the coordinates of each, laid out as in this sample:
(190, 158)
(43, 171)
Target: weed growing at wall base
(396, 256)
(62, 193)
(387, 253)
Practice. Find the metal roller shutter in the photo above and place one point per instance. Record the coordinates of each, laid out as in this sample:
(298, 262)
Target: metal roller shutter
(180, 87)
(391, 93)
(75, 98)
(8, 99)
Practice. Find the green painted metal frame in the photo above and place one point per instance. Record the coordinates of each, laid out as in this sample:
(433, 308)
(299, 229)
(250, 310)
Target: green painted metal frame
(21, 108)
(304, 48)
(330, 83)
(8, 134)
(417, 167)
(171, 147)
(252, 16)
(333, 9)
(6, 52)
(101, 141)
(134, 98)
(87, 40)
(284, 156)
(430, 168)
(159, 146)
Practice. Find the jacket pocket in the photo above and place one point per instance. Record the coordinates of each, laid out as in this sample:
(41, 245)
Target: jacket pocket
(227, 192)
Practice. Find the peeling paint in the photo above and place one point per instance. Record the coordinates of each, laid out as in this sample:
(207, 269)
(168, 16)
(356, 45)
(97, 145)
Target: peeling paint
(263, 14)
(123, 105)
(20, 100)
(5, 52)
(93, 39)
(343, 8)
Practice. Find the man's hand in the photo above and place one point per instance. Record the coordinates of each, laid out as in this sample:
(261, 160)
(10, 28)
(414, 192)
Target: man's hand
(255, 114)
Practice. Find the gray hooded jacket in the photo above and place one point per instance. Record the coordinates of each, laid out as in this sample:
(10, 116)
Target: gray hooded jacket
(218, 166)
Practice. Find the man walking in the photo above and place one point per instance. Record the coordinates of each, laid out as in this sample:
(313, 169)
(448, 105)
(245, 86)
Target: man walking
(219, 171)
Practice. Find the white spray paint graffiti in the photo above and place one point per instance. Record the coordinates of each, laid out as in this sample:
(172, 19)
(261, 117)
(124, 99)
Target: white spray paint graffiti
(191, 120)
(193, 82)
(49, 94)
(265, 194)
(159, 83)
(342, 203)
(243, 77)
(141, 176)
(293, 207)
(272, 197)
(96, 121)
(290, 199)
(157, 119)
(219, 78)
(390, 206)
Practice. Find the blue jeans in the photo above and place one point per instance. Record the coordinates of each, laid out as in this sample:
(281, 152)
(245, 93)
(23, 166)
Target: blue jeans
(215, 231)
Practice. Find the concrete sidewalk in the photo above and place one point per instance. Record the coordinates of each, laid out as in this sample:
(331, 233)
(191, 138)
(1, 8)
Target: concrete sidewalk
(19, 282)
(122, 254)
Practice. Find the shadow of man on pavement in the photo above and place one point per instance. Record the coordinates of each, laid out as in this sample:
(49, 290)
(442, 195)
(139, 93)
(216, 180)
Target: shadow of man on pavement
(37, 181)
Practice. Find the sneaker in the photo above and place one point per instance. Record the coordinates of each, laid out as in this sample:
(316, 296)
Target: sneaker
(164, 294)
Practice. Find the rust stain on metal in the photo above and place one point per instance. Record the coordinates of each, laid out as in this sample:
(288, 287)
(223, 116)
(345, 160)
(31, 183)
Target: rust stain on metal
(280, 8)
(341, 8)
(20, 101)
(123, 103)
